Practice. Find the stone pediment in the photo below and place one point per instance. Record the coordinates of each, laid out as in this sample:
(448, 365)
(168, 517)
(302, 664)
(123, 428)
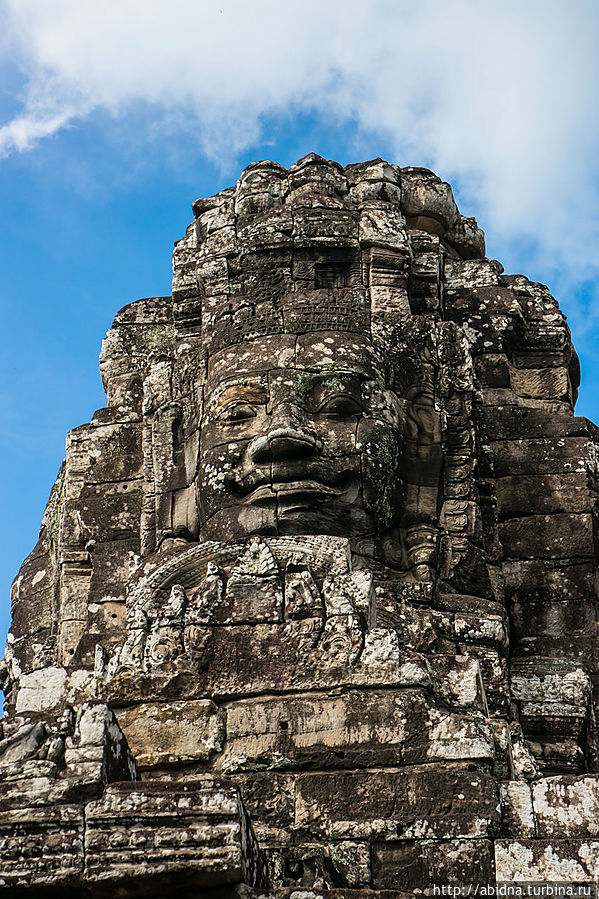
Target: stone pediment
(202, 623)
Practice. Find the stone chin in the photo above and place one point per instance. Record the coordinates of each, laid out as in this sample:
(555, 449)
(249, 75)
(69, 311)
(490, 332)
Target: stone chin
(295, 507)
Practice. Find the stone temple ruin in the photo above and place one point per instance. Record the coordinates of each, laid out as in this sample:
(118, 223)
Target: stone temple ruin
(313, 609)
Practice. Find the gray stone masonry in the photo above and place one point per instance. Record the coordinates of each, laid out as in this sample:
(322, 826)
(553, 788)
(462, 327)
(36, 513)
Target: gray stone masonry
(313, 609)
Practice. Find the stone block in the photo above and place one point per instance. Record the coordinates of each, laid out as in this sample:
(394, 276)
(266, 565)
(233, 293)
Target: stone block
(513, 422)
(494, 672)
(560, 536)
(544, 383)
(266, 353)
(490, 630)
(475, 273)
(492, 370)
(32, 652)
(531, 618)
(554, 708)
(40, 846)
(42, 690)
(424, 194)
(550, 680)
(298, 661)
(321, 226)
(328, 865)
(163, 828)
(111, 568)
(517, 816)
(550, 581)
(34, 614)
(383, 226)
(167, 733)
(559, 860)
(97, 752)
(574, 649)
(112, 511)
(566, 805)
(269, 799)
(115, 453)
(418, 866)
(542, 494)
(543, 455)
(467, 238)
(439, 803)
(319, 353)
(355, 729)
(37, 574)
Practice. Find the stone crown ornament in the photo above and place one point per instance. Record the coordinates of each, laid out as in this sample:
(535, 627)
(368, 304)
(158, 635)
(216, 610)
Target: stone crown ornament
(313, 606)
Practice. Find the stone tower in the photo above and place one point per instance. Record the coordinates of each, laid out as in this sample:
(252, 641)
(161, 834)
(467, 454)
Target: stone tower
(313, 605)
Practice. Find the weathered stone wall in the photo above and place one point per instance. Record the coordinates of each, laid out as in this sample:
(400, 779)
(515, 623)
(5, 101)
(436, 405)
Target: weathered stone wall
(328, 560)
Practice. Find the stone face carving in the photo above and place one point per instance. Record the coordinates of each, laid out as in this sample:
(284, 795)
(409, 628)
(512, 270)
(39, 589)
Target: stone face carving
(314, 601)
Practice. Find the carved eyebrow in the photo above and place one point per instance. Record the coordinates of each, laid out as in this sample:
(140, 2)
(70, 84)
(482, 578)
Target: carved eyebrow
(338, 375)
(342, 402)
(339, 384)
(238, 393)
(237, 412)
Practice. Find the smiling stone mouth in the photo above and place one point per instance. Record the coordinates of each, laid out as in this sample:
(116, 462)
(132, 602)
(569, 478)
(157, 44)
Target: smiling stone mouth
(258, 486)
(270, 492)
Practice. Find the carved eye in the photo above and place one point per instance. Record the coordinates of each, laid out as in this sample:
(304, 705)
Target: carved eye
(342, 404)
(237, 413)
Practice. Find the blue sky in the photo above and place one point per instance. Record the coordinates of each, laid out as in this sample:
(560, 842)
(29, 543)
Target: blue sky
(113, 119)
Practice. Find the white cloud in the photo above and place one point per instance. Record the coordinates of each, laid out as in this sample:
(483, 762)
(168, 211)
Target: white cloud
(500, 96)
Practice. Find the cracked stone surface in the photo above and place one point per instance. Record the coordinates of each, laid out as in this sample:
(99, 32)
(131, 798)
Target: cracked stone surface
(313, 606)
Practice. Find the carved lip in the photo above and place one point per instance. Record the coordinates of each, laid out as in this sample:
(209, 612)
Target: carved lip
(269, 492)
(262, 484)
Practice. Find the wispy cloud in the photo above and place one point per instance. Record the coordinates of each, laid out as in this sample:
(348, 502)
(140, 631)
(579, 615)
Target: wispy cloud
(500, 96)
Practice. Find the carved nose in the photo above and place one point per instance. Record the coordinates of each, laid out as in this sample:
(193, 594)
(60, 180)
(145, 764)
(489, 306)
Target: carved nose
(287, 438)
